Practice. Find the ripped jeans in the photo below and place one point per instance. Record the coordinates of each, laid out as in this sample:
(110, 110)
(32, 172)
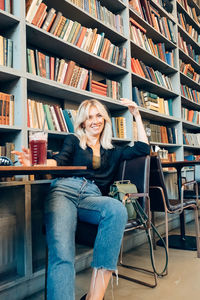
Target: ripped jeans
(67, 198)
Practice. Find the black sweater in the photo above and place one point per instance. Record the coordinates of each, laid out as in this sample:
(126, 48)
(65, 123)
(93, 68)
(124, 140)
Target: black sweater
(73, 155)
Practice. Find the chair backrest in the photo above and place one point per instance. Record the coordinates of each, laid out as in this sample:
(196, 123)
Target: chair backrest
(137, 171)
(157, 179)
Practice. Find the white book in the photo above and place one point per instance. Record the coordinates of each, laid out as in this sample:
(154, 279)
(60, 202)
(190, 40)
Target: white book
(97, 44)
(32, 10)
(69, 27)
(57, 126)
(66, 128)
(64, 72)
(84, 73)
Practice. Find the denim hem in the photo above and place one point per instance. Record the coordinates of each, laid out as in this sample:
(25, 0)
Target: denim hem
(103, 267)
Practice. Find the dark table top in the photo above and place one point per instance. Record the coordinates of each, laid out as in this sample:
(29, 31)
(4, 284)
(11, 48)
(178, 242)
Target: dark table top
(38, 170)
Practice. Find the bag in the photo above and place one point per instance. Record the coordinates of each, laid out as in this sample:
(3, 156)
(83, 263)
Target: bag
(119, 191)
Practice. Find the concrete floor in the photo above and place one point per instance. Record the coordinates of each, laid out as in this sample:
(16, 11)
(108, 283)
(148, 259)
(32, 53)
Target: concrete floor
(182, 282)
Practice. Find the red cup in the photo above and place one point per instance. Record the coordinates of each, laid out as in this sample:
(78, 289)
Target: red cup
(38, 147)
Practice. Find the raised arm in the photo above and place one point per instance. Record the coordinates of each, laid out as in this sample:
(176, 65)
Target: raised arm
(133, 108)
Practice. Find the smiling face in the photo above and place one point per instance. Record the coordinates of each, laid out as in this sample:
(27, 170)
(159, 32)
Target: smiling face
(95, 123)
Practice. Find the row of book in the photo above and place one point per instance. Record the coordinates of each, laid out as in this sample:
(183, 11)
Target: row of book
(150, 14)
(54, 68)
(161, 134)
(138, 67)
(6, 5)
(189, 93)
(119, 127)
(73, 32)
(191, 10)
(6, 52)
(95, 9)
(187, 27)
(49, 117)
(138, 36)
(188, 49)
(6, 149)
(191, 115)
(152, 101)
(192, 139)
(189, 71)
(192, 157)
(6, 109)
(69, 73)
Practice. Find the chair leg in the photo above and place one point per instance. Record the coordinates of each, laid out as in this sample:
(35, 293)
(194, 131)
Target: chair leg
(46, 269)
(197, 231)
(153, 235)
(136, 269)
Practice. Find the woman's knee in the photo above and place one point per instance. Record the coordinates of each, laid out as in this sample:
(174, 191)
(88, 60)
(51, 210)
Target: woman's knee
(117, 210)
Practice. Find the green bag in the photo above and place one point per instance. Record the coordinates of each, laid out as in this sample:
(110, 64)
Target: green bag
(119, 191)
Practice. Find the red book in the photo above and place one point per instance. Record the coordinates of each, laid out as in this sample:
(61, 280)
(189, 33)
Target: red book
(40, 11)
(137, 25)
(80, 40)
(100, 88)
(52, 66)
(42, 19)
(99, 83)
(98, 92)
(69, 72)
(42, 64)
(2, 6)
(51, 22)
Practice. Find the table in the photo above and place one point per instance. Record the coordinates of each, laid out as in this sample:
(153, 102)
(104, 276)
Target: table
(39, 170)
(181, 241)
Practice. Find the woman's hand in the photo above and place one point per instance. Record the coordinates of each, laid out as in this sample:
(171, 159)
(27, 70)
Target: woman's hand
(24, 157)
(132, 106)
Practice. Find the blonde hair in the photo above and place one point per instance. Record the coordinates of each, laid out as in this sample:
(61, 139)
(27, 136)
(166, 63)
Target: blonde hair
(83, 115)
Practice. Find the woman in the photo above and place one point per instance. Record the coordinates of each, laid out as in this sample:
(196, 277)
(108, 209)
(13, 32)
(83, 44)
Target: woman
(85, 195)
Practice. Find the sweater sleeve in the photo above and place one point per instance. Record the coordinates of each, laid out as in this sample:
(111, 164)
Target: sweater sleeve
(138, 149)
(65, 156)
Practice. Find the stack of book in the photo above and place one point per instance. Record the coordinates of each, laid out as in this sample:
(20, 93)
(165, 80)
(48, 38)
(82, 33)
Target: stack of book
(99, 88)
(6, 109)
(6, 52)
(152, 101)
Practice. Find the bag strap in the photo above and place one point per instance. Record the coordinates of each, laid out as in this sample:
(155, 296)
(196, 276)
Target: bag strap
(123, 169)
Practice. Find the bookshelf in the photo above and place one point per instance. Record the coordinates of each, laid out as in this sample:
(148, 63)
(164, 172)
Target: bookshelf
(25, 85)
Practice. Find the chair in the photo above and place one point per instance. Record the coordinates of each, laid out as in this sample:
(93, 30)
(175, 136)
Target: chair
(137, 171)
(161, 203)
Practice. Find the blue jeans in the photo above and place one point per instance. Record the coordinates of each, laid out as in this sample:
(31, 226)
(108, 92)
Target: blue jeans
(67, 198)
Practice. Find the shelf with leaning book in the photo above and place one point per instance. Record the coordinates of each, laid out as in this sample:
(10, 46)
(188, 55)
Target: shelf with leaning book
(189, 23)
(188, 45)
(37, 37)
(152, 32)
(189, 81)
(147, 84)
(99, 16)
(190, 10)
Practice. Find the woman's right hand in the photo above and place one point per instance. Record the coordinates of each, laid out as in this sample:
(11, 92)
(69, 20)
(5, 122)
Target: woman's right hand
(24, 157)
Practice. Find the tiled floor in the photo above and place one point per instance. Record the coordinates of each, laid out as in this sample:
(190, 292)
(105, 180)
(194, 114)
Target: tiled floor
(182, 282)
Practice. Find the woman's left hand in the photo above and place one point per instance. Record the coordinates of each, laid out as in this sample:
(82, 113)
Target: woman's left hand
(132, 106)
